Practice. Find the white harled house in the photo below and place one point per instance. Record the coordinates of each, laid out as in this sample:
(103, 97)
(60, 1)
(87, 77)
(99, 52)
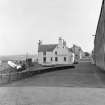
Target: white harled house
(51, 54)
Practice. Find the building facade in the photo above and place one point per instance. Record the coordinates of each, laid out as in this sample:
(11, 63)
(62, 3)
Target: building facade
(99, 42)
(78, 52)
(51, 54)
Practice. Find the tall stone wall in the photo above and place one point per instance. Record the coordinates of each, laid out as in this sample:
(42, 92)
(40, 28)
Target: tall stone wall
(99, 42)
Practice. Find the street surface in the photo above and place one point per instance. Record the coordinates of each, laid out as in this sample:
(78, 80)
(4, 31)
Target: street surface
(83, 85)
(51, 96)
(83, 75)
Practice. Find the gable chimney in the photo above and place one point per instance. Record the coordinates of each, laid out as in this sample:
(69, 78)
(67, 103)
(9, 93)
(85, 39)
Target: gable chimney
(40, 42)
(60, 41)
(64, 42)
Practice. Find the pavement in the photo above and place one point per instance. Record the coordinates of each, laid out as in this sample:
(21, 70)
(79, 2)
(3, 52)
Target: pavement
(51, 96)
(83, 85)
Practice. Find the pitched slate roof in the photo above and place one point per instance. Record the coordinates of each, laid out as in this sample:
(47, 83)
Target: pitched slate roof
(46, 47)
(70, 49)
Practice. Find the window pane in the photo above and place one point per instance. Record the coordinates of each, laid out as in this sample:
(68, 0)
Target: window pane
(44, 59)
(64, 58)
(56, 59)
(55, 52)
(51, 58)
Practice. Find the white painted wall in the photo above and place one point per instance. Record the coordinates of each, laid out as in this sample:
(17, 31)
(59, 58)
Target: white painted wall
(62, 51)
(40, 57)
(48, 57)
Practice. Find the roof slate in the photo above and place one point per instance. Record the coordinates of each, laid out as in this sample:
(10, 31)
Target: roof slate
(70, 49)
(48, 47)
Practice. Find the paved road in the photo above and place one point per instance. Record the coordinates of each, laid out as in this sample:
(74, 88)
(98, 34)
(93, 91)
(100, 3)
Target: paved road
(84, 75)
(83, 85)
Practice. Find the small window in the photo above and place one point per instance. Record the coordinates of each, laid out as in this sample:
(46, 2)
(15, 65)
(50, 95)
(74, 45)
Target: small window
(56, 59)
(65, 59)
(51, 59)
(44, 59)
(55, 52)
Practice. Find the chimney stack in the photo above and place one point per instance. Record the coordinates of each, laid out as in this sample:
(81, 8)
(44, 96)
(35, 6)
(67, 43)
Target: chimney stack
(64, 42)
(40, 42)
(60, 41)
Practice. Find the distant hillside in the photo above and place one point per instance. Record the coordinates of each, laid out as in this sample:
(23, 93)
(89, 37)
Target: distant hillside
(17, 57)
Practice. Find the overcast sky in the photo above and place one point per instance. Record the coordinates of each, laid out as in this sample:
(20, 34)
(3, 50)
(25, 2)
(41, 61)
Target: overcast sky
(24, 22)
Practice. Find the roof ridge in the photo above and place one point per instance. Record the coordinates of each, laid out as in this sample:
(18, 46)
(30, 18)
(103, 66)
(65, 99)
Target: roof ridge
(46, 47)
(49, 44)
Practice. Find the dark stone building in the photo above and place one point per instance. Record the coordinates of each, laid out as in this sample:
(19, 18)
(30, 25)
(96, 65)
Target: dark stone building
(99, 42)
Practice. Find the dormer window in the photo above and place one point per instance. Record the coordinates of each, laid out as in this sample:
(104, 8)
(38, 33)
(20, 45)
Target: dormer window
(55, 52)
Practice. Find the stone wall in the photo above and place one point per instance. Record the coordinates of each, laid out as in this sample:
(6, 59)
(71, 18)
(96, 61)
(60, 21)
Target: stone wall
(6, 78)
(99, 42)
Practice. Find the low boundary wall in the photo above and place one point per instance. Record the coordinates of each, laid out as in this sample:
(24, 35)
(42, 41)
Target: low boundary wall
(6, 78)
